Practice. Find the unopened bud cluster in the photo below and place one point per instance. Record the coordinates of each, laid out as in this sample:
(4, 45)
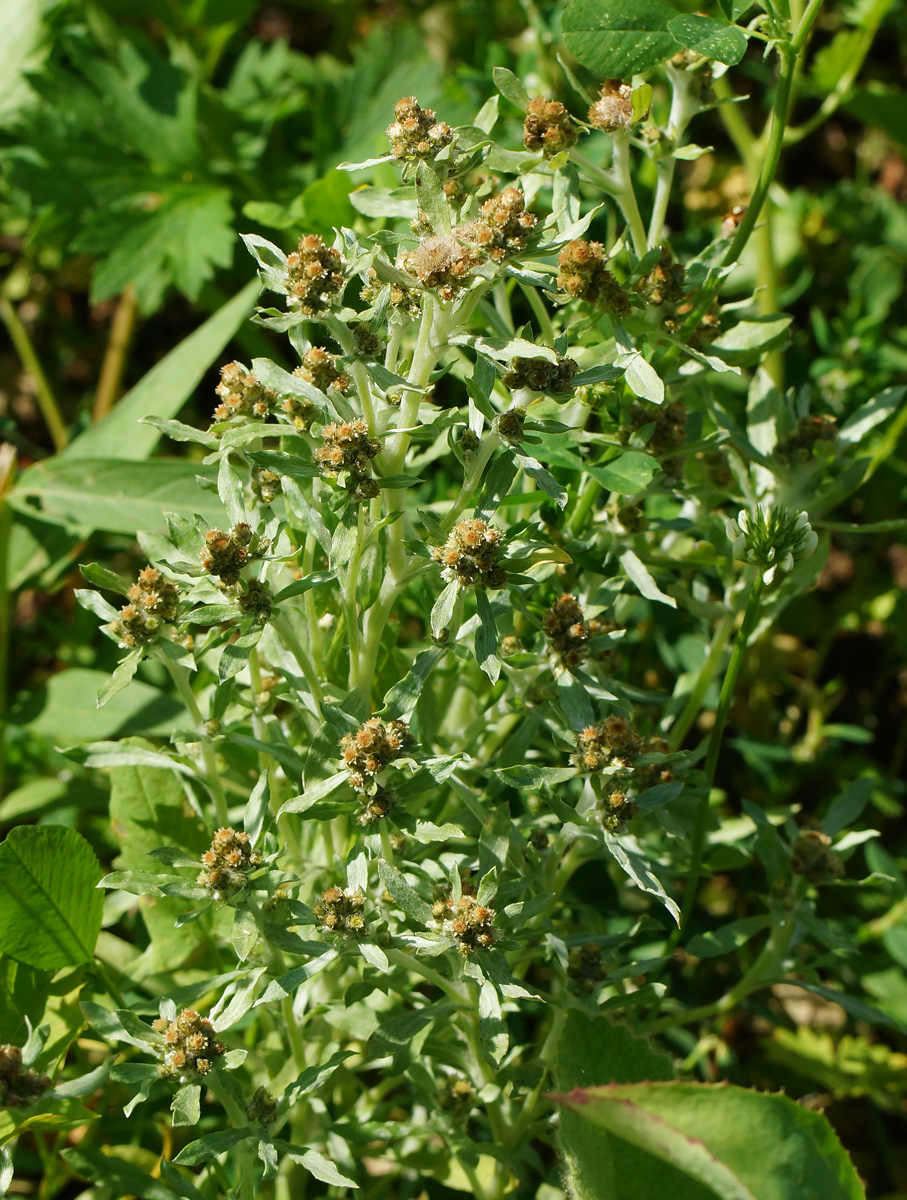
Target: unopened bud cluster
(548, 128)
(405, 299)
(340, 911)
(583, 273)
(509, 425)
(613, 109)
(416, 133)
(468, 922)
(262, 1108)
(568, 632)
(813, 858)
(314, 276)
(810, 432)
(772, 537)
(615, 810)
(503, 227)
(224, 555)
(585, 967)
(542, 375)
(457, 1096)
(611, 743)
(18, 1087)
(153, 603)
(349, 450)
(228, 863)
(373, 747)
(668, 424)
(191, 1046)
(472, 555)
(375, 807)
(664, 284)
(265, 485)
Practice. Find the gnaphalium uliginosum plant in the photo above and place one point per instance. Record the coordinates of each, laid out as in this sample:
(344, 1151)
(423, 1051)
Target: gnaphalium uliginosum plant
(411, 707)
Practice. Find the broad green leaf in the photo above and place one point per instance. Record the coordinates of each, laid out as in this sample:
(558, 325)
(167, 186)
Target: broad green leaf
(208, 1147)
(628, 474)
(709, 1131)
(404, 896)
(53, 1115)
(511, 88)
(431, 199)
(443, 609)
(115, 495)
(593, 1050)
(727, 938)
(638, 573)
(50, 908)
(618, 38)
(186, 1105)
(65, 709)
(710, 38)
(641, 377)
(164, 390)
(746, 342)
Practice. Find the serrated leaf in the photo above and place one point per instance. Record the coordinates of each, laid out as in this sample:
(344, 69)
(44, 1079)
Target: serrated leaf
(50, 908)
(619, 38)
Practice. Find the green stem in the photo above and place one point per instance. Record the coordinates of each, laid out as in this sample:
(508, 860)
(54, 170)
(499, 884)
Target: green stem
(429, 974)
(725, 699)
(46, 401)
(626, 196)
(595, 173)
(546, 328)
(682, 725)
(678, 119)
(7, 478)
(180, 677)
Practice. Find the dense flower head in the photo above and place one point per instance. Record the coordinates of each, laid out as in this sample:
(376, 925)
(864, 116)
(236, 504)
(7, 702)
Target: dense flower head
(228, 862)
(468, 922)
(224, 555)
(375, 807)
(442, 264)
(509, 425)
(548, 127)
(585, 966)
(615, 810)
(314, 275)
(810, 432)
(583, 273)
(18, 1087)
(542, 375)
(153, 603)
(813, 858)
(347, 447)
(262, 1108)
(416, 133)
(668, 423)
(340, 911)
(372, 747)
(265, 484)
(568, 632)
(503, 227)
(772, 537)
(405, 300)
(241, 394)
(457, 1095)
(611, 742)
(319, 367)
(664, 284)
(614, 108)
(191, 1046)
(472, 555)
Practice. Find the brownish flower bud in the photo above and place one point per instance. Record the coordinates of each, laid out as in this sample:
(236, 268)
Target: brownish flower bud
(548, 128)
(416, 133)
(583, 273)
(471, 555)
(314, 276)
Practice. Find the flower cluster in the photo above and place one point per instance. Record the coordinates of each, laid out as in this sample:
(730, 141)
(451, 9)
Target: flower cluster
(375, 807)
(372, 747)
(416, 133)
(153, 603)
(542, 375)
(256, 600)
(810, 431)
(348, 448)
(813, 858)
(668, 423)
(585, 966)
(340, 911)
(241, 394)
(664, 283)
(265, 485)
(472, 555)
(548, 128)
(442, 264)
(503, 227)
(224, 555)
(615, 810)
(19, 1088)
(319, 367)
(314, 275)
(228, 863)
(405, 299)
(191, 1046)
(468, 922)
(613, 109)
(772, 537)
(457, 1096)
(509, 425)
(583, 273)
(568, 632)
(613, 742)
(262, 1108)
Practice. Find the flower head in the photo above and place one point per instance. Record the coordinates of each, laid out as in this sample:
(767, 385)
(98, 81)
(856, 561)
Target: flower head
(416, 133)
(772, 537)
(471, 555)
(191, 1046)
(548, 127)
